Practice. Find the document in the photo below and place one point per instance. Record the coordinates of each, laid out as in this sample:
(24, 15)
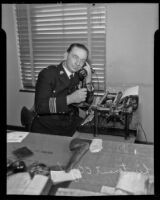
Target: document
(16, 136)
(76, 192)
(96, 145)
(131, 91)
(17, 183)
(132, 182)
(62, 176)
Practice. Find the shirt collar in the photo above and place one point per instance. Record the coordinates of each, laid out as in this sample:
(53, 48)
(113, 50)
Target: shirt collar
(67, 71)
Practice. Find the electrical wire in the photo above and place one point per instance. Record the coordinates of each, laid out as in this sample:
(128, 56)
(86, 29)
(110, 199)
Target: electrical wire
(143, 131)
(91, 122)
(97, 79)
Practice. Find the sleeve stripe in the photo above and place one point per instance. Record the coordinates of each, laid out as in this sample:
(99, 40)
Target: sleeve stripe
(55, 110)
(52, 105)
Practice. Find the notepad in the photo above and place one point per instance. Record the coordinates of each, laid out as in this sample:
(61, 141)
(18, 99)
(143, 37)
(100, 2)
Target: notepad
(62, 176)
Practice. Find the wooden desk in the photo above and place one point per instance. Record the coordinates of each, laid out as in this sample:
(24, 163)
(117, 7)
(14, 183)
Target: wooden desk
(97, 169)
(48, 149)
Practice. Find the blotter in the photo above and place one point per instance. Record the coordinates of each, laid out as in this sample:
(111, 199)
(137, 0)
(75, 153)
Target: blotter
(62, 176)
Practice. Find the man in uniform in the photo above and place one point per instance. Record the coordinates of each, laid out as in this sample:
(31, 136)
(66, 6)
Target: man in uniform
(58, 93)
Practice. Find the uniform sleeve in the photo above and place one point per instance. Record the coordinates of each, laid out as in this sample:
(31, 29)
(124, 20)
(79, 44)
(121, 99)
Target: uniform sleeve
(46, 101)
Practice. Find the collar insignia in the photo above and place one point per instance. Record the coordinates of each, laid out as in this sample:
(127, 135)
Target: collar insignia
(61, 72)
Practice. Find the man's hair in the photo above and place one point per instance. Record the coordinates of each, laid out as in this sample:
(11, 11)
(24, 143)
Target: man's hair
(82, 46)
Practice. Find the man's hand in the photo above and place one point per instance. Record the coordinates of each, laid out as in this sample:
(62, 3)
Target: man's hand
(77, 96)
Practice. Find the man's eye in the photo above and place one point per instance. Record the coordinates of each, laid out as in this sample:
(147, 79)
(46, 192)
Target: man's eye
(76, 57)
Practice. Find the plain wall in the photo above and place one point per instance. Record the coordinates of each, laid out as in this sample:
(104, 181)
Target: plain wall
(130, 61)
(130, 55)
(15, 98)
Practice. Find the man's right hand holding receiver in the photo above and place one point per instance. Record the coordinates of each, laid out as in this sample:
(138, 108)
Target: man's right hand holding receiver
(77, 97)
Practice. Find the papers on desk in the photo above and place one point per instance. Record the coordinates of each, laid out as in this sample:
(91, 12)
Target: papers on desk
(17, 183)
(76, 192)
(21, 183)
(16, 136)
(134, 91)
(96, 145)
(62, 176)
(131, 183)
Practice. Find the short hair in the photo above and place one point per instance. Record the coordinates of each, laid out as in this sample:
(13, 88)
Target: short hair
(82, 46)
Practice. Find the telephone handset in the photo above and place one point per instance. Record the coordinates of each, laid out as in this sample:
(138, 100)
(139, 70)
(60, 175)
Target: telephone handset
(82, 73)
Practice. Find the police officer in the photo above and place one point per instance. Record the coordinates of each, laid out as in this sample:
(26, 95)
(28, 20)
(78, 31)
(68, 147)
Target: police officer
(58, 91)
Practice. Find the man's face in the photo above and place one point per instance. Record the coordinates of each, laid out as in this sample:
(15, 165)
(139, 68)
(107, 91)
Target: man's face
(76, 58)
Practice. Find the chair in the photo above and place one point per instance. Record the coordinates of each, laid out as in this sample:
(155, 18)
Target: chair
(27, 116)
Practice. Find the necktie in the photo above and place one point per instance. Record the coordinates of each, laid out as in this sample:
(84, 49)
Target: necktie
(71, 76)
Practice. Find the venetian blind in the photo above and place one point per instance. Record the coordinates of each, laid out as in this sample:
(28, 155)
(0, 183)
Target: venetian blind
(45, 31)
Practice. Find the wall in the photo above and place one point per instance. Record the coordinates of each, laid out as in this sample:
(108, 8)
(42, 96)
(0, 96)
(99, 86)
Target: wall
(130, 30)
(130, 55)
(15, 99)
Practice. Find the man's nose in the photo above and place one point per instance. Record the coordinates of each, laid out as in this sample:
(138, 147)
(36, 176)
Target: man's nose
(78, 62)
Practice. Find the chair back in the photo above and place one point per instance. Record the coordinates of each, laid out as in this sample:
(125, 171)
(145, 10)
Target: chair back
(27, 116)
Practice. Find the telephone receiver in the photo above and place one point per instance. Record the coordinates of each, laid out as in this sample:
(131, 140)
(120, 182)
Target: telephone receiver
(82, 73)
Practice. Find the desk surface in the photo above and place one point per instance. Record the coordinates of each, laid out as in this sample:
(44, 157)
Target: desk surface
(97, 169)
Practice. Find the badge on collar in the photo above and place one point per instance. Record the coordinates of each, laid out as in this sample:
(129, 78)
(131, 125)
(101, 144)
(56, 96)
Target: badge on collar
(61, 72)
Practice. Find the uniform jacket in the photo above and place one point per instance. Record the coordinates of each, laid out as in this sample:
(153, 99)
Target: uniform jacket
(52, 87)
(53, 115)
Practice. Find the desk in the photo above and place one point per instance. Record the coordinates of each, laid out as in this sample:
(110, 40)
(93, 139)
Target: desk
(97, 168)
(48, 149)
(103, 168)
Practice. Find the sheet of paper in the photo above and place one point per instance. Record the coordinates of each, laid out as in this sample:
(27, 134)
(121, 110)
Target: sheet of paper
(131, 91)
(96, 145)
(76, 192)
(107, 190)
(16, 136)
(133, 182)
(37, 185)
(17, 183)
(62, 176)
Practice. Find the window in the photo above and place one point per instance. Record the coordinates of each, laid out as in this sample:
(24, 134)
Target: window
(44, 32)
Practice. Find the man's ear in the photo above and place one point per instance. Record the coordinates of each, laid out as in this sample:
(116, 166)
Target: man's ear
(65, 55)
